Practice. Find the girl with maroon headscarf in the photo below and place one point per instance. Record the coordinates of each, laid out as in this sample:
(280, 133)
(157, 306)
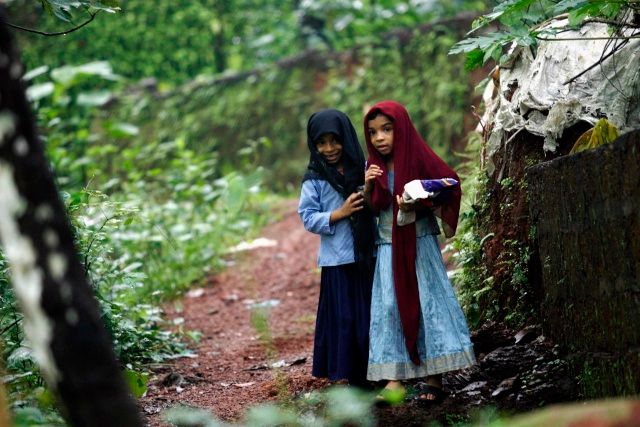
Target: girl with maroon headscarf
(417, 327)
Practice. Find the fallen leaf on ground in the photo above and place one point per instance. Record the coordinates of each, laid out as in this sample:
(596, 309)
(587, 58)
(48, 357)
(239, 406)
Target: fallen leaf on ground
(242, 385)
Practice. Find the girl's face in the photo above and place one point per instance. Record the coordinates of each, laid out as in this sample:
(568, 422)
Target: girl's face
(381, 134)
(330, 148)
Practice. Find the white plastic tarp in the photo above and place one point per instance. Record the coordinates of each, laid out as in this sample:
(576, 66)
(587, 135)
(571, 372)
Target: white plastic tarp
(534, 96)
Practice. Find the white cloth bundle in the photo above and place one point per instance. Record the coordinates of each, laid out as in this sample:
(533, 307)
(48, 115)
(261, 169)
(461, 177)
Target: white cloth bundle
(419, 190)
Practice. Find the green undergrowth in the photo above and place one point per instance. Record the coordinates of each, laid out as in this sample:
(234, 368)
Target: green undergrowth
(149, 223)
(471, 277)
(492, 275)
(138, 255)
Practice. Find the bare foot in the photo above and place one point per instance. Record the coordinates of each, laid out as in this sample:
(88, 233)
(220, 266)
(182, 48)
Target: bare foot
(433, 390)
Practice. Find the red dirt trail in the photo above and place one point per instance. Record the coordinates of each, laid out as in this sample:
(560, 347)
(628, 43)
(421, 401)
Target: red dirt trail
(229, 372)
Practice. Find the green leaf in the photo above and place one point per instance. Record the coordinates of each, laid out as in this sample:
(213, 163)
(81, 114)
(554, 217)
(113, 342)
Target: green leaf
(567, 6)
(69, 74)
(121, 129)
(492, 52)
(94, 99)
(576, 16)
(137, 382)
(467, 45)
(36, 72)
(106, 3)
(611, 9)
(474, 59)
(236, 193)
(62, 8)
(45, 397)
(110, 6)
(37, 92)
(28, 416)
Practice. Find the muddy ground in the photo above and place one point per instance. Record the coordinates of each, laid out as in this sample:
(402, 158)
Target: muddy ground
(231, 368)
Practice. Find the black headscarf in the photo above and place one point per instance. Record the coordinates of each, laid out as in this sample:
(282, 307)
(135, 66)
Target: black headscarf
(362, 225)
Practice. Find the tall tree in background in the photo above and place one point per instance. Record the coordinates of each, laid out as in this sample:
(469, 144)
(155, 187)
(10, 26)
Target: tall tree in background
(219, 37)
(62, 319)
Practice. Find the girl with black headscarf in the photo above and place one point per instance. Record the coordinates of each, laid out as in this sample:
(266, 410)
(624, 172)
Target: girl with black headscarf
(332, 205)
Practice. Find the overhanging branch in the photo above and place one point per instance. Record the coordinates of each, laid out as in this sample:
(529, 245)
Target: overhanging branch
(61, 33)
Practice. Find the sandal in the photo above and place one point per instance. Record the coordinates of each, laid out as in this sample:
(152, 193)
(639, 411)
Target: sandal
(437, 392)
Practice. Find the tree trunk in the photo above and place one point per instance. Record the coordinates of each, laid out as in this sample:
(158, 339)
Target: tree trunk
(220, 39)
(62, 320)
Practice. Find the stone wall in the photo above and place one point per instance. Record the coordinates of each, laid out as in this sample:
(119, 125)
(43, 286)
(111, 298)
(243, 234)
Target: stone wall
(586, 212)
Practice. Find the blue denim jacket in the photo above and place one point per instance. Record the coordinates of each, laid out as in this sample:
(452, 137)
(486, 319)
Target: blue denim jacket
(317, 200)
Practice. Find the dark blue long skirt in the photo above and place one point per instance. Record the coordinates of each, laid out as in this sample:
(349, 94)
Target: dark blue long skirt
(341, 346)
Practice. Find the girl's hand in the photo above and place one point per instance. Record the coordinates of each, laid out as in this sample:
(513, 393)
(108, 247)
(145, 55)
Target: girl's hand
(404, 206)
(353, 203)
(370, 176)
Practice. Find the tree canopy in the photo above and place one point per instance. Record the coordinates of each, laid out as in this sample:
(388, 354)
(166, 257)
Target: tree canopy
(175, 41)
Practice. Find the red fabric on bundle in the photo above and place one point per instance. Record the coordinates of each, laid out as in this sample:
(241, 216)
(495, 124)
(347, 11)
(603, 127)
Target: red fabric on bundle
(412, 159)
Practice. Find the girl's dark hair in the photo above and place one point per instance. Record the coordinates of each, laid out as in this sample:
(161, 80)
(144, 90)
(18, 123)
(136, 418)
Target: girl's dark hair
(375, 113)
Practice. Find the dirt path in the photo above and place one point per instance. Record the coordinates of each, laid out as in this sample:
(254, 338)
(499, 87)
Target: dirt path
(229, 373)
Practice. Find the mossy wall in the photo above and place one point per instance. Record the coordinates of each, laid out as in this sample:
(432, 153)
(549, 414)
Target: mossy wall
(586, 212)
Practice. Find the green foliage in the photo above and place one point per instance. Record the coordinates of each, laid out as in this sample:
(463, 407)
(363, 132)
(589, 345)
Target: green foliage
(492, 276)
(471, 278)
(521, 22)
(175, 41)
(336, 406)
(31, 416)
(482, 296)
(169, 40)
(516, 259)
(261, 120)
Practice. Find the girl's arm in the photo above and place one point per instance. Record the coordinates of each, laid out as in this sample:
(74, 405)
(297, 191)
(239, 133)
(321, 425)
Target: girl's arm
(310, 210)
(370, 175)
(314, 218)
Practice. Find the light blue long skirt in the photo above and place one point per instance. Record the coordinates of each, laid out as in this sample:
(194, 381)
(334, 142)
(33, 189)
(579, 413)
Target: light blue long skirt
(443, 336)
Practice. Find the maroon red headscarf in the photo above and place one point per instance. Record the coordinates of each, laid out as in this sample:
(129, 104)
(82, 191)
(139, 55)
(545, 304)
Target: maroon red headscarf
(412, 159)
